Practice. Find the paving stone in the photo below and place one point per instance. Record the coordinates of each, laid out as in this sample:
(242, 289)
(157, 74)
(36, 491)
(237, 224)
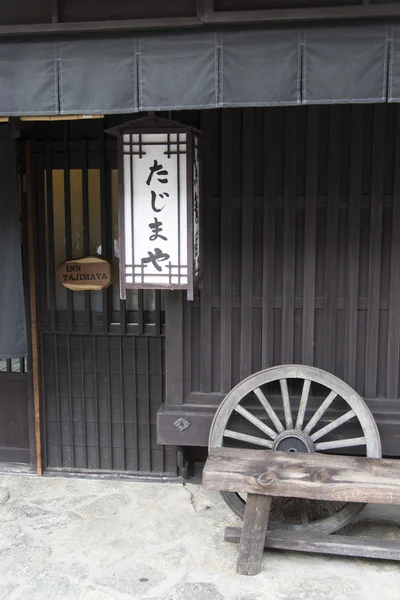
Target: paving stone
(23, 561)
(101, 593)
(4, 495)
(134, 581)
(107, 506)
(195, 591)
(7, 589)
(117, 540)
(51, 585)
(247, 597)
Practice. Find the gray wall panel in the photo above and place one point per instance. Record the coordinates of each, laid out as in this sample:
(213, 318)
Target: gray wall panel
(28, 78)
(260, 68)
(394, 70)
(345, 64)
(178, 71)
(98, 76)
(201, 69)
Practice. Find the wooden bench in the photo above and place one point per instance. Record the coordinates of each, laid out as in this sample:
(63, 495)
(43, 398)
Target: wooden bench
(263, 474)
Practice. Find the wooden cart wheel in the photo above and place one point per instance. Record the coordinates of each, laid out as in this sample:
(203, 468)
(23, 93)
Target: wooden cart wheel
(312, 410)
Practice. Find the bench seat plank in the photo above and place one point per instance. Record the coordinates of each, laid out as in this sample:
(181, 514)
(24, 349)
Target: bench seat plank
(328, 544)
(311, 476)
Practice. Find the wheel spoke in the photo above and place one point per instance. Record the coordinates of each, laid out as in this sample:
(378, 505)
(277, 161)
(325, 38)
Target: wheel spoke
(256, 421)
(360, 441)
(331, 508)
(286, 404)
(280, 504)
(250, 439)
(304, 511)
(322, 409)
(270, 411)
(303, 404)
(333, 425)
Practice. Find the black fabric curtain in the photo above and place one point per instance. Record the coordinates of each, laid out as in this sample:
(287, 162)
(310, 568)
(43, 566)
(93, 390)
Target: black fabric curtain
(201, 69)
(12, 310)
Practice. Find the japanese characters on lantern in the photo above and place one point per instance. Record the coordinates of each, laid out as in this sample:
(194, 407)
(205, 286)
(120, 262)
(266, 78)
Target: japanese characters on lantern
(160, 211)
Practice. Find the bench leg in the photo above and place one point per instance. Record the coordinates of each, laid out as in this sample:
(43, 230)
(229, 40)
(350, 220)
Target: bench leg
(254, 531)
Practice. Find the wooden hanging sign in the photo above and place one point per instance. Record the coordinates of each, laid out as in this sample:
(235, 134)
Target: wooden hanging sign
(85, 274)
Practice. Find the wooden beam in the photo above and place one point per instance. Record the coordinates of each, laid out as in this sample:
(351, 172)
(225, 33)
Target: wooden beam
(98, 26)
(312, 476)
(282, 15)
(328, 544)
(32, 229)
(205, 15)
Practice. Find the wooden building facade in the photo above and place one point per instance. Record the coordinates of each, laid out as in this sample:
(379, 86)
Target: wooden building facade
(300, 264)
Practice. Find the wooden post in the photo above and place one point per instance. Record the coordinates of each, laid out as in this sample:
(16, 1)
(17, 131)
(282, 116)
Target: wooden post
(32, 229)
(254, 532)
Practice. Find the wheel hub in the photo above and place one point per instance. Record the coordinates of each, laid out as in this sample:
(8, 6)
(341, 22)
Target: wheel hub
(293, 441)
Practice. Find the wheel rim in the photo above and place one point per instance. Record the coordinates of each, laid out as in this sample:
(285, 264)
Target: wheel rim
(296, 423)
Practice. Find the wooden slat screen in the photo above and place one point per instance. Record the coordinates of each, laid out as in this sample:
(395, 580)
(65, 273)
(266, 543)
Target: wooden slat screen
(301, 259)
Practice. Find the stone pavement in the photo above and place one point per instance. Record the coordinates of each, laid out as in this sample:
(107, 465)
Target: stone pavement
(89, 539)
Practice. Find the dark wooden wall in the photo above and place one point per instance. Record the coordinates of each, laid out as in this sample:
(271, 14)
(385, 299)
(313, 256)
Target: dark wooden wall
(301, 257)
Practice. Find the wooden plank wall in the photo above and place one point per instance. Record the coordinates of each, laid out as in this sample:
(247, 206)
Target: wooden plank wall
(302, 252)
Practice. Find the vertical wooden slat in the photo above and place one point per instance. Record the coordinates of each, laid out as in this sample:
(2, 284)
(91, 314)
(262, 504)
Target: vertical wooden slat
(289, 236)
(96, 402)
(270, 131)
(58, 401)
(122, 316)
(39, 169)
(161, 372)
(393, 352)
(375, 247)
(121, 218)
(188, 319)
(107, 234)
(174, 348)
(109, 404)
(227, 127)
(50, 238)
(208, 120)
(122, 401)
(86, 227)
(136, 463)
(140, 297)
(67, 219)
(148, 407)
(310, 233)
(83, 404)
(157, 308)
(70, 406)
(353, 246)
(246, 307)
(43, 406)
(332, 229)
(32, 231)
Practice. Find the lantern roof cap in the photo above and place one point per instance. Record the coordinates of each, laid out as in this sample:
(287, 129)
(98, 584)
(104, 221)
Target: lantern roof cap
(150, 124)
